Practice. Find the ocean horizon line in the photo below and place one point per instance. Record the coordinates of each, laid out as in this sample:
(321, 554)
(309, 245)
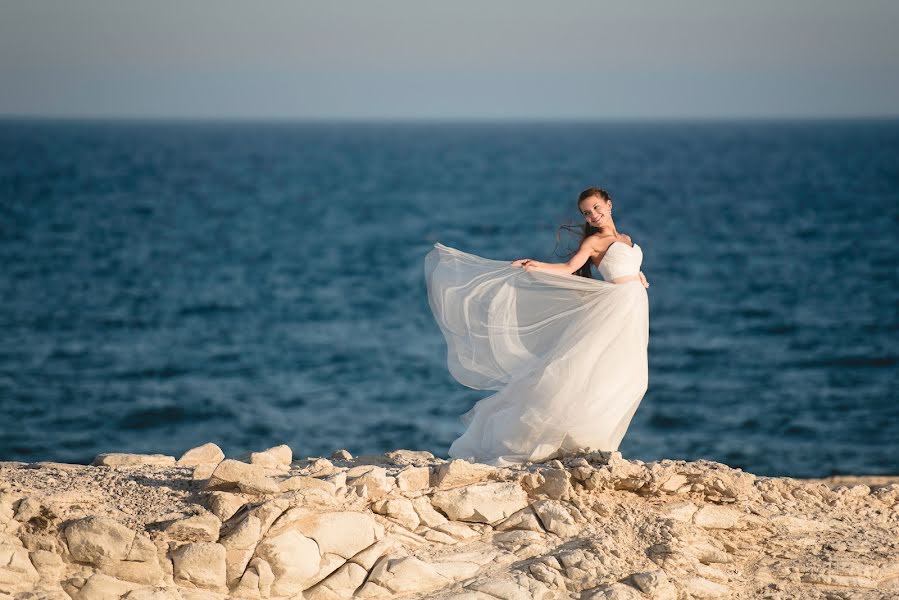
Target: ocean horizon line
(446, 119)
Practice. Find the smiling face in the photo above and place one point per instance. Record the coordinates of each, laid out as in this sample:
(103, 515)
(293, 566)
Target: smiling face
(595, 210)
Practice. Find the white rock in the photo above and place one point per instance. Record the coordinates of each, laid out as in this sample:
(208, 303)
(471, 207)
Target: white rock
(413, 479)
(294, 560)
(458, 472)
(655, 583)
(556, 517)
(555, 484)
(406, 574)
(482, 503)
(525, 519)
(201, 564)
(699, 587)
(398, 509)
(48, 564)
(274, 457)
(344, 533)
(224, 504)
(341, 454)
(103, 587)
(712, 516)
(457, 530)
(426, 513)
(122, 459)
(408, 457)
(369, 556)
(15, 566)
(374, 483)
(673, 483)
(229, 473)
(199, 528)
(205, 454)
(264, 575)
(680, 511)
(301, 482)
(95, 538)
(341, 583)
(258, 485)
(239, 544)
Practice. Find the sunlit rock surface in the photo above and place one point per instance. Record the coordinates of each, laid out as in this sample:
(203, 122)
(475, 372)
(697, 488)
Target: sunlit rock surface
(408, 525)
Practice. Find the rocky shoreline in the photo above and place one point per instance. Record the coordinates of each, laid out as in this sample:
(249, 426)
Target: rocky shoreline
(587, 525)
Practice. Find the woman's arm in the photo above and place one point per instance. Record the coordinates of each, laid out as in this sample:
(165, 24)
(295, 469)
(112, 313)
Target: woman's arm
(577, 261)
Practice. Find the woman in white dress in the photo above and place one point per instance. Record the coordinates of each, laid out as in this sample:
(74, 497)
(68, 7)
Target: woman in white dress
(566, 353)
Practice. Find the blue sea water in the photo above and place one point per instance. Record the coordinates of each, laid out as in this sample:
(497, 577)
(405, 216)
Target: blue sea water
(165, 284)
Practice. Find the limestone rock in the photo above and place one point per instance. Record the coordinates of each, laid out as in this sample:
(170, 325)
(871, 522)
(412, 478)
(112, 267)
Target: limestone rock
(614, 591)
(413, 478)
(201, 564)
(224, 504)
(294, 560)
(240, 543)
(554, 484)
(103, 587)
(94, 538)
(232, 475)
(373, 483)
(120, 459)
(15, 566)
(199, 528)
(426, 514)
(408, 457)
(300, 482)
(398, 509)
(655, 584)
(275, 457)
(712, 516)
(406, 574)
(481, 503)
(205, 454)
(525, 519)
(458, 472)
(556, 517)
(699, 587)
(341, 454)
(343, 533)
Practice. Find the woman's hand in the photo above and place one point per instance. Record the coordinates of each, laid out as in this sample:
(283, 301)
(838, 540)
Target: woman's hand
(643, 280)
(527, 263)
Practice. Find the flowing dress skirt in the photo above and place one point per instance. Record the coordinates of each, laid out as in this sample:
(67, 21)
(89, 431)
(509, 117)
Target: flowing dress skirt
(567, 355)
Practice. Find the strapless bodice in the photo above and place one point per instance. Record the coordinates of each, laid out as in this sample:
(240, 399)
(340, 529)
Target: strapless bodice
(619, 260)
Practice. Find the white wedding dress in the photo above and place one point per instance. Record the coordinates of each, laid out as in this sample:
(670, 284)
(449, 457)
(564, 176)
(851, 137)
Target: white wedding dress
(567, 354)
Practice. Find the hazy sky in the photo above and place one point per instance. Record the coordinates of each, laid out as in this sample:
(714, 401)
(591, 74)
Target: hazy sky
(457, 58)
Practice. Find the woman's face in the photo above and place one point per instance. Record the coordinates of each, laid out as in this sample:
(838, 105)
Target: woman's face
(595, 210)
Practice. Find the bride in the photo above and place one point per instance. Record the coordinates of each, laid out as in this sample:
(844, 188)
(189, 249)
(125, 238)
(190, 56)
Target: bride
(566, 353)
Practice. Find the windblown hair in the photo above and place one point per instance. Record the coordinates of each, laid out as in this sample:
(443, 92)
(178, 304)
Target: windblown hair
(584, 229)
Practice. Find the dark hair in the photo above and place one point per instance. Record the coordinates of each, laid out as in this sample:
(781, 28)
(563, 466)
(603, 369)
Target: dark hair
(585, 229)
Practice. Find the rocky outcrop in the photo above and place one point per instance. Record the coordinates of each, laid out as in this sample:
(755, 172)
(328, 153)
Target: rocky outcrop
(587, 525)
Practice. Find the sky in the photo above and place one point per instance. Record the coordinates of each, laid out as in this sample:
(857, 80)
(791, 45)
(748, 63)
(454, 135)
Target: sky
(422, 59)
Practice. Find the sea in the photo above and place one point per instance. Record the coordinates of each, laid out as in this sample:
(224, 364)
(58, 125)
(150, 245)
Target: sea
(167, 283)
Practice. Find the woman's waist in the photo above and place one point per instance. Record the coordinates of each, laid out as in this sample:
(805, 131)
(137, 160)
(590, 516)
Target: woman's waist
(625, 278)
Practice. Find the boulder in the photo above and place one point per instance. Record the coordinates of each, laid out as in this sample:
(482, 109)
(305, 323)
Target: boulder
(294, 560)
(201, 564)
(92, 539)
(482, 503)
(205, 454)
(199, 528)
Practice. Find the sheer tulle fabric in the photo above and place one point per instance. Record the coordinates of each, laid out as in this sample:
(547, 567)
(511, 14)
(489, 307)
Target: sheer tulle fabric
(566, 354)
